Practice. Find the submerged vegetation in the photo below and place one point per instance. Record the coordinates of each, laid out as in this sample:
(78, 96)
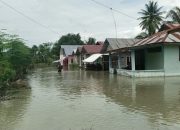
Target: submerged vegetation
(15, 59)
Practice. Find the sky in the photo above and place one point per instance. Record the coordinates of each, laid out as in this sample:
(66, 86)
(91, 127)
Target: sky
(59, 17)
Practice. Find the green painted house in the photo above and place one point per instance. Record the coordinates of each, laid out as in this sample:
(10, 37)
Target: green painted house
(157, 55)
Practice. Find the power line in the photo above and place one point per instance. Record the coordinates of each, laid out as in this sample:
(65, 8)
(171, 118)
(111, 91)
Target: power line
(118, 11)
(27, 17)
(115, 25)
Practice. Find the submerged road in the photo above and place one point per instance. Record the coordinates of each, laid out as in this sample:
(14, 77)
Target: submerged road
(82, 100)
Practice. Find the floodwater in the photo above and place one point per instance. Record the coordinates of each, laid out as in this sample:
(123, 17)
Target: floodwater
(82, 100)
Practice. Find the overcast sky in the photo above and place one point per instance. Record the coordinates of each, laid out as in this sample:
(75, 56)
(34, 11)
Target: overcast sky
(73, 16)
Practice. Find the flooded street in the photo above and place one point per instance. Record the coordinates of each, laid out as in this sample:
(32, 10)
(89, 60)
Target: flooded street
(78, 100)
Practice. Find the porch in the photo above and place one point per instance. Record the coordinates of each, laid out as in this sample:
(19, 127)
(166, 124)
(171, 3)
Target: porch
(140, 62)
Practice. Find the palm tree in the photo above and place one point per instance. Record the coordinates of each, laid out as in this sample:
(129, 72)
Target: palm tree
(151, 17)
(174, 14)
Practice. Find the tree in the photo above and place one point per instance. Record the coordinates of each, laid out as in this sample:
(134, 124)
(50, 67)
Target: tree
(55, 50)
(151, 17)
(42, 53)
(70, 39)
(91, 41)
(45, 52)
(2, 40)
(15, 58)
(34, 50)
(174, 14)
(6, 72)
(19, 57)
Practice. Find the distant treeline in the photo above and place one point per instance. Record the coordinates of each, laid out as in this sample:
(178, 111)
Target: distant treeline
(47, 52)
(16, 58)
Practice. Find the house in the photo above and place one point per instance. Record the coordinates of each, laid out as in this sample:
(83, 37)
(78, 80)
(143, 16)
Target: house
(167, 26)
(157, 55)
(62, 56)
(92, 56)
(78, 55)
(119, 54)
(68, 54)
(88, 50)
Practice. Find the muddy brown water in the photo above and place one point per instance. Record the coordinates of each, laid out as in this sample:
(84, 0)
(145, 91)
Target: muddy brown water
(84, 100)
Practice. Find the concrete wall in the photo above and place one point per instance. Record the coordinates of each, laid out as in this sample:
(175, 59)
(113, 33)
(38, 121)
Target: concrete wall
(171, 60)
(123, 59)
(111, 70)
(154, 60)
(141, 73)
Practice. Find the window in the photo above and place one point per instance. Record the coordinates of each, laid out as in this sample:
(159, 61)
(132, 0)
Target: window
(154, 50)
(128, 60)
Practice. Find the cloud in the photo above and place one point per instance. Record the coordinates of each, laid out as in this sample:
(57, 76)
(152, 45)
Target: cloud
(169, 3)
(73, 16)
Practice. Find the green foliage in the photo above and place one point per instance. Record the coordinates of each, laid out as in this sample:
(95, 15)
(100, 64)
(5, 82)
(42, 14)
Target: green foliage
(55, 50)
(6, 71)
(42, 53)
(15, 58)
(174, 14)
(70, 39)
(91, 41)
(151, 17)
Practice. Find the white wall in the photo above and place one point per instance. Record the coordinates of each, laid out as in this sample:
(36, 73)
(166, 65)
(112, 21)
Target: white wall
(123, 59)
(171, 60)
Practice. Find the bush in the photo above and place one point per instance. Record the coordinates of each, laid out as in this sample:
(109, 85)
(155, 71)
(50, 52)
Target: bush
(6, 72)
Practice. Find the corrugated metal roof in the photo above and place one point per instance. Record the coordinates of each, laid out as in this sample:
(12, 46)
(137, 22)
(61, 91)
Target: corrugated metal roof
(118, 43)
(69, 48)
(92, 58)
(92, 49)
(167, 26)
(166, 36)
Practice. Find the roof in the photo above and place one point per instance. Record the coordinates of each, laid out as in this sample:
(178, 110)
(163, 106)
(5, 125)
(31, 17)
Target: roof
(92, 49)
(79, 50)
(92, 58)
(74, 51)
(68, 49)
(62, 52)
(99, 42)
(166, 36)
(118, 43)
(167, 26)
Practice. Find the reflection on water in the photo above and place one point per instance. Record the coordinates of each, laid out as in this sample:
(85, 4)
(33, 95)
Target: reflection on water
(79, 100)
(11, 111)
